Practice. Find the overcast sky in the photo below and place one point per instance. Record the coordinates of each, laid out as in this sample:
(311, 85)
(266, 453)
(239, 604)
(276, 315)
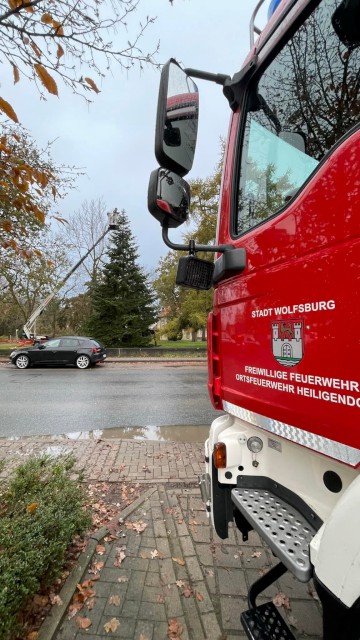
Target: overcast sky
(113, 138)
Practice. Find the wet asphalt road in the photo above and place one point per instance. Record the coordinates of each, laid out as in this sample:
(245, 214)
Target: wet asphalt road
(42, 401)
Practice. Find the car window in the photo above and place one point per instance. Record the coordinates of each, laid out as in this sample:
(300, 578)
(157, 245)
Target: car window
(85, 343)
(69, 342)
(52, 343)
(96, 343)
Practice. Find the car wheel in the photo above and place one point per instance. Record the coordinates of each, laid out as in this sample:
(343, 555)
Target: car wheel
(22, 362)
(83, 362)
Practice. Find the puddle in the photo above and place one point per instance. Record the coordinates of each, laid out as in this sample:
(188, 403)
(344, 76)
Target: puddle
(170, 433)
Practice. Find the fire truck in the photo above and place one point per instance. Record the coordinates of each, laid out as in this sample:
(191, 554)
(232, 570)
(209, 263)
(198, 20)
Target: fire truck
(283, 336)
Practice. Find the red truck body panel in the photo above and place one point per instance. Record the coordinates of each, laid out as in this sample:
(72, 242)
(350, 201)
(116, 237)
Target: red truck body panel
(296, 297)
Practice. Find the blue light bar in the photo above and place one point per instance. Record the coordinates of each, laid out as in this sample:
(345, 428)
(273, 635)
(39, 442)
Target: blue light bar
(272, 8)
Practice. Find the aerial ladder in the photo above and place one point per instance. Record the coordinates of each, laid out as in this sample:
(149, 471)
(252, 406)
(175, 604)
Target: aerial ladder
(27, 330)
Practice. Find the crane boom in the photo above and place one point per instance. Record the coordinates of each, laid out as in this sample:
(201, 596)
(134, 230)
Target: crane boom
(28, 326)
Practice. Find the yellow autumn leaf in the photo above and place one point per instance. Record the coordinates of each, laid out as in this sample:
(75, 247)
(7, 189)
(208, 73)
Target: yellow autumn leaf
(14, 3)
(58, 28)
(62, 220)
(35, 49)
(46, 79)
(50, 263)
(92, 85)
(60, 51)
(6, 108)
(31, 508)
(53, 191)
(16, 73)
(37, 252)
(6, 225)
(39, 215)
(46, 18)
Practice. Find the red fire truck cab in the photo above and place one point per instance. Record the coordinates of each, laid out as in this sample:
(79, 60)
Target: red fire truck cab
(283, 343)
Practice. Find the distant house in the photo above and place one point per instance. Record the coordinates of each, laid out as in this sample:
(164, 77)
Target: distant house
(187, 334)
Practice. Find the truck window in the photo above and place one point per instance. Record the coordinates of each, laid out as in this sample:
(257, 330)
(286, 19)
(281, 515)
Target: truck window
(305, 101)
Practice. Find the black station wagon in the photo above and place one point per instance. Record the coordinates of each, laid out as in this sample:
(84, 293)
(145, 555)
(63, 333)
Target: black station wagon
(76, 350)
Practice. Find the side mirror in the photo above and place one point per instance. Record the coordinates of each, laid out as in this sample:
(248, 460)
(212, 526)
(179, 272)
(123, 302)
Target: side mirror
(176, 120)
(295, 139)
(168, 198)
(41, 346)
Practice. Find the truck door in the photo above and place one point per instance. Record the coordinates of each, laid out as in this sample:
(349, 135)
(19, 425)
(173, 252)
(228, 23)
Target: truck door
(288, 324)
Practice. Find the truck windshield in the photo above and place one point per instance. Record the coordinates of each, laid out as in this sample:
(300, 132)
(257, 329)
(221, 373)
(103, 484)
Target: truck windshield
(309, 91)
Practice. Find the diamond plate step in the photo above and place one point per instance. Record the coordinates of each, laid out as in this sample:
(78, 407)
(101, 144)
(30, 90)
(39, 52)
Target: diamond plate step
(265, 623)
(285, 529)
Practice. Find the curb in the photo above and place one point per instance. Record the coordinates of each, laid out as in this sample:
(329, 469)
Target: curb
(52, 622)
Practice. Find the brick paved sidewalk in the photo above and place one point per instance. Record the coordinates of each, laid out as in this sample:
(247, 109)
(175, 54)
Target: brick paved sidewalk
(113, 460)
(177, 569)
(204, 589)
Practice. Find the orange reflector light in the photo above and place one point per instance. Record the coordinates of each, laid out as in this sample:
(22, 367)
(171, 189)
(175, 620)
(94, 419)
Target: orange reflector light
(220, 455)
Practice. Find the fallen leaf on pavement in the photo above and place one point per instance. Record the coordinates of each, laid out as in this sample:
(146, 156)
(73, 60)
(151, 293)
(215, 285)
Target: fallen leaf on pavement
(256, 554)
(199, 596)
(154, 554)
(55, 599)
(281, 600)
(112, 625)
(136, 526)
(115, 600)
(100, 549)
(175, 630)
(123, 579)
(160, 598)
(41, 601)
(187, 591)
(91, 604)
(292, 621)
(83, 623)
(180, 583)
(179, 561)
(120, 556)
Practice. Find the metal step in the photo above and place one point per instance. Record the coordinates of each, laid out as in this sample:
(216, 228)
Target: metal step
(265, 623)
(285, 529)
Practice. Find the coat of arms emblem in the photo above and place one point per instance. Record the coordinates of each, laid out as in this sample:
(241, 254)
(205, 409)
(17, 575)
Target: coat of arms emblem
(288, 341)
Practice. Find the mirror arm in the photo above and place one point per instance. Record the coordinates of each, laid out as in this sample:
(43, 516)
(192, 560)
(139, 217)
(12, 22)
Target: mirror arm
(192, 247)
(219, 78)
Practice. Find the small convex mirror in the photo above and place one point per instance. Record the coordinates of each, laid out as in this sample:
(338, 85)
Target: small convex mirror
(168, 198)
(177, 119)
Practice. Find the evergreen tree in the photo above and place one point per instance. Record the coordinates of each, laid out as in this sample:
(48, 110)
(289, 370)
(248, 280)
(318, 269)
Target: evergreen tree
(123, 303)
